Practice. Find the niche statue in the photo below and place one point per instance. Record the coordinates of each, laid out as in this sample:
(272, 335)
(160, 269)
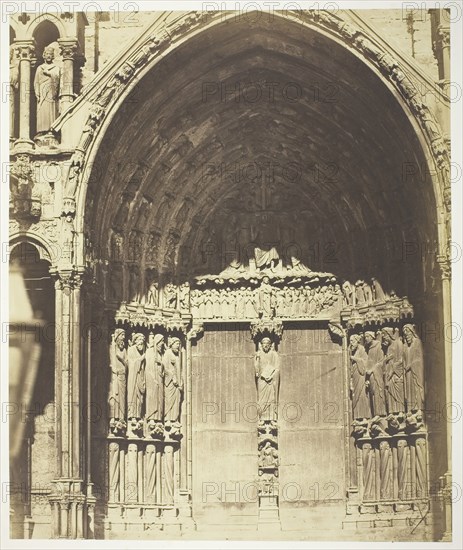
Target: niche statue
(46, 88)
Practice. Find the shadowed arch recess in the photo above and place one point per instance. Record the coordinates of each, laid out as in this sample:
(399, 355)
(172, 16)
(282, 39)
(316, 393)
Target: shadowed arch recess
(273, 135)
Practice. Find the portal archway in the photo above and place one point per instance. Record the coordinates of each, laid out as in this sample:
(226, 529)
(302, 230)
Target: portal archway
(311, 174)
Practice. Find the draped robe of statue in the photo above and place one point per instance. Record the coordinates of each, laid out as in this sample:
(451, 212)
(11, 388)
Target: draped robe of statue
(360, 399)
(154, 376)
(395, 377)
(135, 382)
(118, 385)
(46, 87)
(267, 366)
(375, 377)
(414, 368)
(172, 386)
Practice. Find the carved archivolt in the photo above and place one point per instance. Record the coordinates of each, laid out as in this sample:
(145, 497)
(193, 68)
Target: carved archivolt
(155, 46)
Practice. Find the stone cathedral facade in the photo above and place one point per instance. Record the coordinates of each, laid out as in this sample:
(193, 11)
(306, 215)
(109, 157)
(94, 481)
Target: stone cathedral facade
(235, 231)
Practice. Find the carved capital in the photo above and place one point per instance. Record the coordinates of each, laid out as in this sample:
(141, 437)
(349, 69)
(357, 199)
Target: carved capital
(443, 34)
(266, 327)
(69, 49)
(26, 50)
(67, 279)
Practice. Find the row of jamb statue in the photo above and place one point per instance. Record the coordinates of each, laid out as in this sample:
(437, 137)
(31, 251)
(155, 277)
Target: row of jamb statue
(386, 372)
(146, 378)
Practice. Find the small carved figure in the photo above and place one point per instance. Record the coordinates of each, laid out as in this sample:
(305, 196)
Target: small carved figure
(359, 293)
(116, 246)
(377, 291)
(152, 298)
(170, 296)
(208, 304)
(288, 302)
(184, 294)
(68, 234)
(266, 258)
(216, 309)
(268, 456)
(265, 296)
(134, 284)
(46, 87)
(249, 304)
(368, 294)
(349, 294)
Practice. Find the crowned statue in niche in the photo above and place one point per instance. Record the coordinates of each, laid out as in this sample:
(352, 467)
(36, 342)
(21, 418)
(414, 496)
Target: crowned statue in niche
(46, 88)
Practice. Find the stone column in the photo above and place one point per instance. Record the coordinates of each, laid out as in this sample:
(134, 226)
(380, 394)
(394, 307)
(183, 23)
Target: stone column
(440, 36)
(68, 496)
(26, 51)
(443, 33)
(69, 53)
(446, 480)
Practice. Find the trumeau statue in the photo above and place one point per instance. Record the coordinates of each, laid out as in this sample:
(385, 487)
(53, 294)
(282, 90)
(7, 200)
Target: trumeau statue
(118, 366)
(46, 87)
(267, 369)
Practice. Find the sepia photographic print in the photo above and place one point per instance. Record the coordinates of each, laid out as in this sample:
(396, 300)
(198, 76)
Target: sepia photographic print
(232, 240)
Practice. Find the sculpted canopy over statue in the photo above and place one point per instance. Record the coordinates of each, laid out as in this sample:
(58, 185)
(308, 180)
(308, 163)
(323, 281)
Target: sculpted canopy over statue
(118, 365)
(267, 367)
(46, 87)
(154, 374)
(173, 385)
(136, 378)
